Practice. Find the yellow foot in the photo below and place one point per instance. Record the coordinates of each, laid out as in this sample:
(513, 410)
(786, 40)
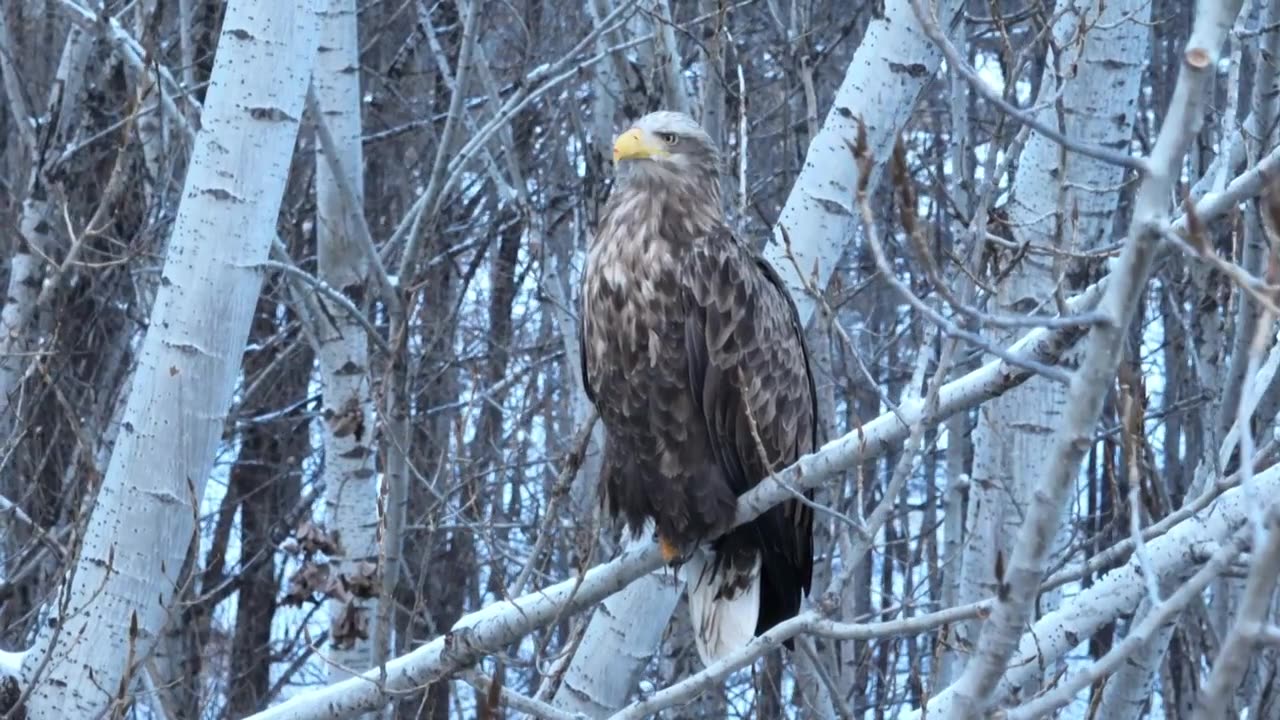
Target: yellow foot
(669, 552)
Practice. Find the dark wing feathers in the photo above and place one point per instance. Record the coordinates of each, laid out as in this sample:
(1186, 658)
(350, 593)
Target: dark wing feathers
(582, 360)
(799, 515)
(749, 370)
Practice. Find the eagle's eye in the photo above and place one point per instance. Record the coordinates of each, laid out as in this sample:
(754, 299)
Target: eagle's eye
(668, 138)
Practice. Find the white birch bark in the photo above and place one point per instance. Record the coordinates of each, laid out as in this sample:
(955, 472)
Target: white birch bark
(889, 72)
(893, 65)
(1014, 432)
(618, 643)
(116, 600)
(1128, 693)
(351, 484)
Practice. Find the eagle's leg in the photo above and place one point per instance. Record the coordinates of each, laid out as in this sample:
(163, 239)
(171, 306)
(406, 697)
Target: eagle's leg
(675, 554)
(670, 551)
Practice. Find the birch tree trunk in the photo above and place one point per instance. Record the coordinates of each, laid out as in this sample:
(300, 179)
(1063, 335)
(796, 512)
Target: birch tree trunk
(351, 483)
(881, 87)
(1106, 44)
(18, 338)
(116, 600)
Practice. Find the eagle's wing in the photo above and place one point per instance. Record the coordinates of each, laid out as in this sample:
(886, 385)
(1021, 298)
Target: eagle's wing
(750, 374)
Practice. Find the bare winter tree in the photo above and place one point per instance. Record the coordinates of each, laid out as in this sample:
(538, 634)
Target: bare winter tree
(292, 422)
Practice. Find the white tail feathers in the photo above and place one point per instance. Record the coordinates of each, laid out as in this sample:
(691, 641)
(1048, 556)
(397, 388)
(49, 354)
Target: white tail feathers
(723, 607)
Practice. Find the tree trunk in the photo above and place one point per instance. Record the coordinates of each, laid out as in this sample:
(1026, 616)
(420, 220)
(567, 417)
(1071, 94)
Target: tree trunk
(1015, 432)
(351, 480)
(117, 600)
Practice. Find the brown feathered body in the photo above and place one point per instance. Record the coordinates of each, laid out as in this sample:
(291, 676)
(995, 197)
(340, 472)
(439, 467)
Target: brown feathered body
(694, 356)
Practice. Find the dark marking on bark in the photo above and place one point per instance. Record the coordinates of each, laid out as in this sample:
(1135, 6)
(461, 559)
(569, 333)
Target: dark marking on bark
(355, 293)
(915, 70)
(833, 207)
(221, 194)
(273, 114)
(359, 452)
(185, 348)
(349, 368)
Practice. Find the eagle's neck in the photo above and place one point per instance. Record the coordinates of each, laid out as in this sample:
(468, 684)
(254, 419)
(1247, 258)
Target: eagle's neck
(657, 202)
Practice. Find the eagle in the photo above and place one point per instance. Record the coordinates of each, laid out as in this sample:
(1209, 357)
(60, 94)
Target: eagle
(694, 356)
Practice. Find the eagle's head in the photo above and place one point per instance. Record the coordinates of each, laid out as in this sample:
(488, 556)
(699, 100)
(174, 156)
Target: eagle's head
(667, 144)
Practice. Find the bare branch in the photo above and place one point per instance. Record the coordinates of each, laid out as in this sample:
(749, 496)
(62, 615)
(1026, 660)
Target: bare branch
(974, 690)
(930, 24)
(1237, 650)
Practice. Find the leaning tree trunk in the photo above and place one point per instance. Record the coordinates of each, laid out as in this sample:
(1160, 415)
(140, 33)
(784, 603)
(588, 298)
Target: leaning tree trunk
(818, 223)
(888, 74)
(116, 601)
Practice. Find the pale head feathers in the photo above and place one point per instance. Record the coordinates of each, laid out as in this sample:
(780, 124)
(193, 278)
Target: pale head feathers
(667, 145)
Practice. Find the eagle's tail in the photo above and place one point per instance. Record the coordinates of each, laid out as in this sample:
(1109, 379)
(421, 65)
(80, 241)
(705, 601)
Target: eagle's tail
(724, 603)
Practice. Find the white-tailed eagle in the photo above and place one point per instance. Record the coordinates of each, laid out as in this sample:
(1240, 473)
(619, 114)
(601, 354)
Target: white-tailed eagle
(694, 355)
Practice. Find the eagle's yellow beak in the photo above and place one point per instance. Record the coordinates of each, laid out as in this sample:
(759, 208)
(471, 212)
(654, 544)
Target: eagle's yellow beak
(636, 144)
